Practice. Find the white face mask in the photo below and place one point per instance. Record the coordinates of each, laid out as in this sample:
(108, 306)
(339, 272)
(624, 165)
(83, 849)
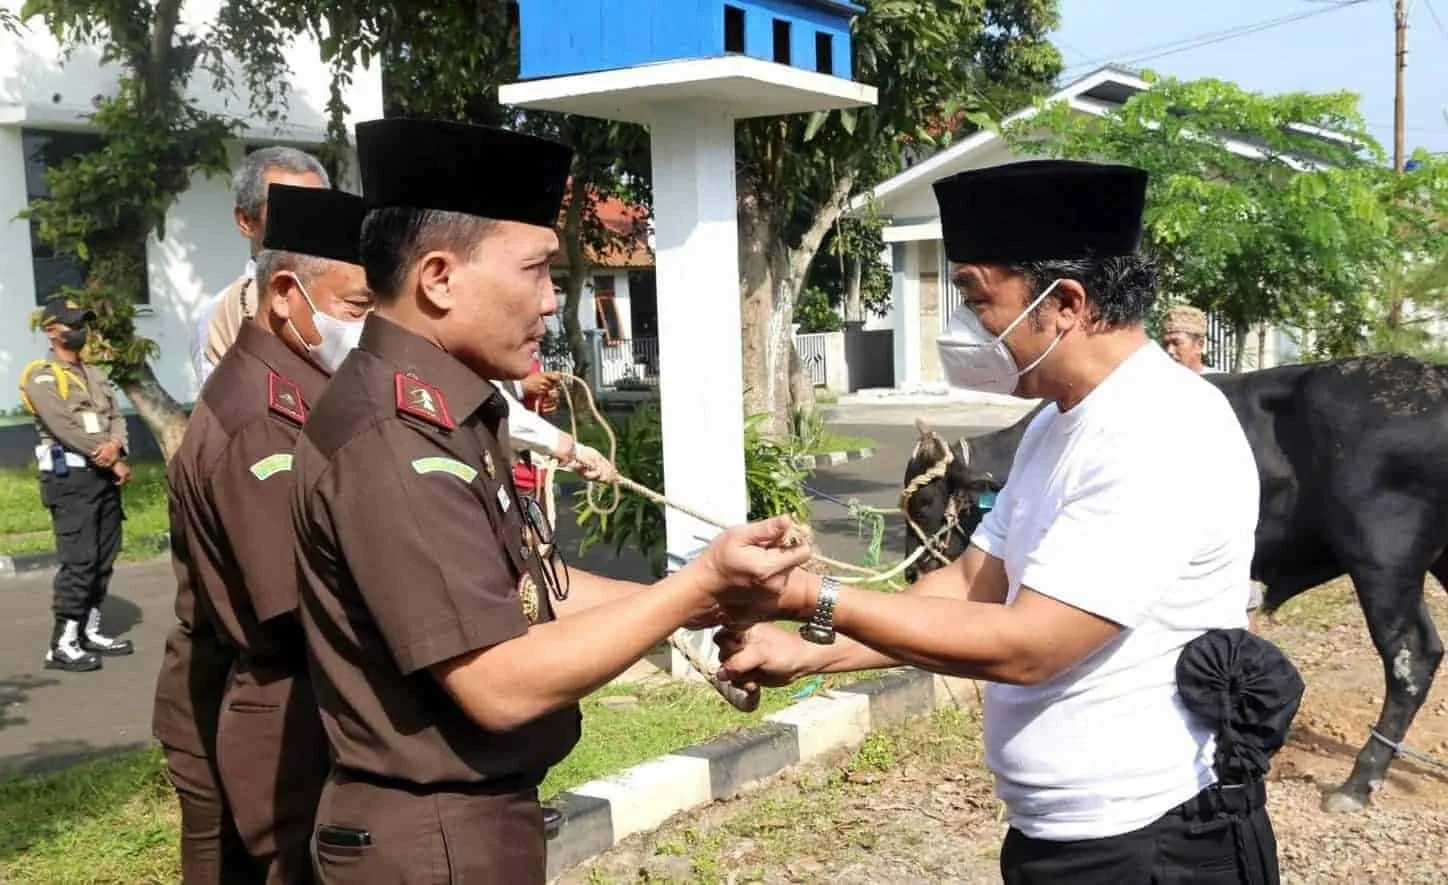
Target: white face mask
(339, 337)
(973, 359)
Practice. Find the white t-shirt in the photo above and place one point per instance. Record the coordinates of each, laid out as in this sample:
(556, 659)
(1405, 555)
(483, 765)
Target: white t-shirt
(1091, 517)
(199, 334)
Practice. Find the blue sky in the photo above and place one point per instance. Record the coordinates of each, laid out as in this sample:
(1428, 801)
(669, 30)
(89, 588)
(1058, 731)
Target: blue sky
(1336, 46)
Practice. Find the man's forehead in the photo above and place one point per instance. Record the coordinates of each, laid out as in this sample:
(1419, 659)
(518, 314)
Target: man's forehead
(526, 240)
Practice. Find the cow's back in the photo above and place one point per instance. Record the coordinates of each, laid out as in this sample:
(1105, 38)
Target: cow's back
(1350, 454)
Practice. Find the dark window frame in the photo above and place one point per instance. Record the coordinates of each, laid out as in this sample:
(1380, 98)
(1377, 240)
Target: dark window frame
(50, 272)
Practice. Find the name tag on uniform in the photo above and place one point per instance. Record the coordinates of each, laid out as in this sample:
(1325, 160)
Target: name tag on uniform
(504, 501)
(92, 422)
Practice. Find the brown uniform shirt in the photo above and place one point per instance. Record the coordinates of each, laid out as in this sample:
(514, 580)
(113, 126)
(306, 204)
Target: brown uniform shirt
(231, 535)
(411, 547)
(85, 417)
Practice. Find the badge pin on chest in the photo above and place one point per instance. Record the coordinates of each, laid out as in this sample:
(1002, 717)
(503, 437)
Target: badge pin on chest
(488, 464)
(504, 501)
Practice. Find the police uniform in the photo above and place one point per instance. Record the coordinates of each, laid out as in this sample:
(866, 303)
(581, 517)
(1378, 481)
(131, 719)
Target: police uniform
(412, 552)
(231, 481)
(75, 412)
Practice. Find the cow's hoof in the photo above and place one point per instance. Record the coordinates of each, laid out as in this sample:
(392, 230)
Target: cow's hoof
(1338, 802)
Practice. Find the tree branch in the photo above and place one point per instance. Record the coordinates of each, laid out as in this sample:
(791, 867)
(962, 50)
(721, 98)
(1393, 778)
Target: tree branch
(801, 256)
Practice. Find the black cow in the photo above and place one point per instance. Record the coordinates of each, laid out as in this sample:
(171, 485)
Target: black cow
(1353, 460)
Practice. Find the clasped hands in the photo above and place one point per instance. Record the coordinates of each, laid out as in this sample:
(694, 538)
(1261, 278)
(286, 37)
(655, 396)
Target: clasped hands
(751, 574)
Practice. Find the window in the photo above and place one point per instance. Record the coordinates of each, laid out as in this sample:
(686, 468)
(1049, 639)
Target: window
(46, 150)
(781, 41)
(824, 53)
(733, 29)
(605, 311)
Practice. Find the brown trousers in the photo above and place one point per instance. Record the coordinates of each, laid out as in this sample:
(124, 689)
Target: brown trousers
(211, 850)
(418, 837)
(272, 754)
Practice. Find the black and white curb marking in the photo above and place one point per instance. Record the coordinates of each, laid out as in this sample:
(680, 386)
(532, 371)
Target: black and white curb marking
(832, 459)
(602, 813)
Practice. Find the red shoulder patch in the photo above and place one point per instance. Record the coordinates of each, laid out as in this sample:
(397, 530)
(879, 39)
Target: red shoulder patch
(285, 398)
(419, 399)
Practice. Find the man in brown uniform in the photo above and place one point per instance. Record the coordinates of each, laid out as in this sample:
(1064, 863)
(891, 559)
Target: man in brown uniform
(447, 662)
(231, 491)
(81, 458)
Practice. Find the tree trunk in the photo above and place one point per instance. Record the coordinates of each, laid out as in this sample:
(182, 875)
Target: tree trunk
(1261, 345)
(157, 409)
(771, 276)
(761, 272)
(854, 280)
(577, 271)
(1239, 334)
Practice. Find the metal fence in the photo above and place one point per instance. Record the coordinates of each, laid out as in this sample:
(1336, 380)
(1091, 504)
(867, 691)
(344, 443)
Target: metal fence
(811, 348)
(628, 360)
(1221, 350)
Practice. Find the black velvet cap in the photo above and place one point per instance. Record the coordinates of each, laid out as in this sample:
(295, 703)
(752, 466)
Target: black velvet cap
(456, 167)
(1040, 210)
(314, 221)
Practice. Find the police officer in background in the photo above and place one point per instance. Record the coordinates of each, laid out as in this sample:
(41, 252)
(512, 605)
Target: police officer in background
(231, 491)
(82, 463)
(448, 661)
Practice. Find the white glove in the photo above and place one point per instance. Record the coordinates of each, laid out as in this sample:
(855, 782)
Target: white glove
(589, 463)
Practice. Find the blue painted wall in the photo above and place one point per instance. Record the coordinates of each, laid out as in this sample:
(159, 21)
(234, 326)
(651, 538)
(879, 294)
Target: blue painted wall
(561, 37)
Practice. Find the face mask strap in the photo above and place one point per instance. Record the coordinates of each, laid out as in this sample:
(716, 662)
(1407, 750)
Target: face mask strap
(1025, 313)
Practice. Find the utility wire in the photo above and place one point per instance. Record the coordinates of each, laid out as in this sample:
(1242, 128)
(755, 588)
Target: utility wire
(1196, 41)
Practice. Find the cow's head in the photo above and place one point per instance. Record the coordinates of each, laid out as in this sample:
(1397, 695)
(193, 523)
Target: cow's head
(944, 497)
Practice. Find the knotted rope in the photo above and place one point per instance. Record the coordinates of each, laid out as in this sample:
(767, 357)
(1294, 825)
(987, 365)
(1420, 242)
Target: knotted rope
(862, 574)
(738, 698)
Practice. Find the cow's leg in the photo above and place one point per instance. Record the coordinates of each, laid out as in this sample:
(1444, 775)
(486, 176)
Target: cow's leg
(1403, 633)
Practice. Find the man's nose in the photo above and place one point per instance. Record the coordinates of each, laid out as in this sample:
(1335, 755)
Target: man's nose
(550, 302)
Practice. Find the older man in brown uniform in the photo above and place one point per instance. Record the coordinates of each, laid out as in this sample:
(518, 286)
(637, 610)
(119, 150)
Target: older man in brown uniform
(231, 491)
(448, 664)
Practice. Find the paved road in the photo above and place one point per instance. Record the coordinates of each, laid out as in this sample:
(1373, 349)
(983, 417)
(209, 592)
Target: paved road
(49, 719)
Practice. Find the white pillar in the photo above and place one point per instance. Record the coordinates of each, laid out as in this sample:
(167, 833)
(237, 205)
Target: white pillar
(905, 264)
(701, 379)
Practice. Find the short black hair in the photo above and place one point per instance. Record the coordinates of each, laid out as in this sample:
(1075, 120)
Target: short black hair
(1120, 289)
(394, 238)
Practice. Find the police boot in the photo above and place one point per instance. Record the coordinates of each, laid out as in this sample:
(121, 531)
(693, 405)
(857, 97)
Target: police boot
(65, 652)
(93, 640)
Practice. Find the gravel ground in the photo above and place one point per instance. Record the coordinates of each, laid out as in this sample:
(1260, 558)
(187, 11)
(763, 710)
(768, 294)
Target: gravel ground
(915, 804)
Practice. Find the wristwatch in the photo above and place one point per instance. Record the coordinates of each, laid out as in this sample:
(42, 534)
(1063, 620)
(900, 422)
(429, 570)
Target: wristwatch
(821, 627)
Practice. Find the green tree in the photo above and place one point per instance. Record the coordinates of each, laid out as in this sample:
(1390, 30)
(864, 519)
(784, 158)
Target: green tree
(1262, 209)
(928, 60)
(104, 204)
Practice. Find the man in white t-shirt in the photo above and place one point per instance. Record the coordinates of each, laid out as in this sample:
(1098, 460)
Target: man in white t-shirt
(1083, 584)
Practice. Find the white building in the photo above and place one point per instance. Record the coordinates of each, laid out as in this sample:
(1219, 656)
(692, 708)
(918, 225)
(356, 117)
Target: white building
(922, 298)
(44, 105)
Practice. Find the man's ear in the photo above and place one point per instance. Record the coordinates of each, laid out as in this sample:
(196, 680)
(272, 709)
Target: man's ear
(1070, 298)
(247, 226)
(436, 274)
(279, 292)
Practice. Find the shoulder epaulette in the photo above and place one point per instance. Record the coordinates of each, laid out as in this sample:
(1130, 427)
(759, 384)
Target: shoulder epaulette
(419, 399)
(285, 398)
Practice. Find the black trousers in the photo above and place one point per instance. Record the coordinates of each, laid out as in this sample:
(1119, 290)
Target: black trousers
(1214, 839)
(85, 511)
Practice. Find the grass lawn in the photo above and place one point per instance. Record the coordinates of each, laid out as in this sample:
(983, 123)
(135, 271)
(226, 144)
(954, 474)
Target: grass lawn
(25, 524)
(114, 820)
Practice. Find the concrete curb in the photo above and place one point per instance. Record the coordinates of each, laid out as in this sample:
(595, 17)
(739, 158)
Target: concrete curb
(600, 814)
(24, 563)
(832, 459)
